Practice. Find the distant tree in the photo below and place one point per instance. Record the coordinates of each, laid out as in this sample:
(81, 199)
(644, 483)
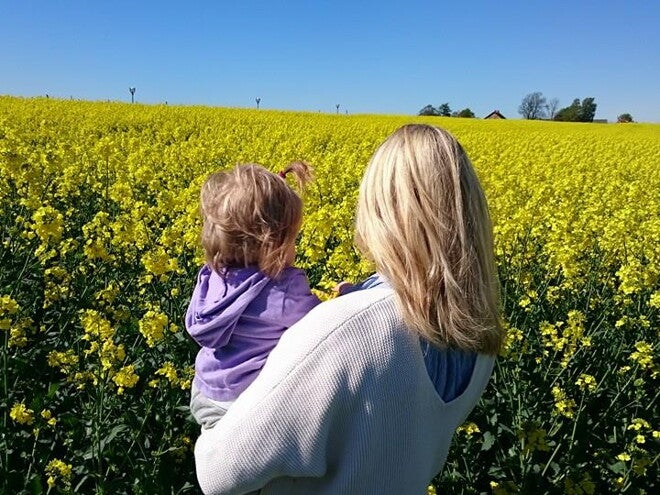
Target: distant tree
(444, 110)
(624, 118)
(587, 110)
(466, 113)
(570, 113)
(552, 107)
(428, 110)
(533, 106)
(578, 111)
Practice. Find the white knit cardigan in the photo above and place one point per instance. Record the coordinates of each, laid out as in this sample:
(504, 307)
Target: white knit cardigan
(344, 405)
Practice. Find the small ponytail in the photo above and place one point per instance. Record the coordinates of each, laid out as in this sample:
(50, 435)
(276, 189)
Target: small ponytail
(302, 172)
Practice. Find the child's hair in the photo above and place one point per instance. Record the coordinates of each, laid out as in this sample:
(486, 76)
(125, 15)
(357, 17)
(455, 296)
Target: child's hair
(423, 219)
(251, 217)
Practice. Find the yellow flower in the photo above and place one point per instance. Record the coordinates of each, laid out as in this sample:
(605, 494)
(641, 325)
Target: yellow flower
(21, 414)
(8, 306)
(111, 354)
(125, 378)
(654, 300)
(152, 326)
(643, 355)
(586, 382)
(95, 325)
(48, 416)
(504, 488)
(563, 405)
(640, 465)
(512, 337)
(169, 371)
(535, 438)
(17, 335)
(469, 429)
(107, 295)
(552, 294)
(639, 423)
(64, 360)
(48, 224)
(158, 262)
(56, 470)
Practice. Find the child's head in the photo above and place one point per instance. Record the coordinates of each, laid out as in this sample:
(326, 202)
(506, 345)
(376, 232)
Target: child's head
(251, 217)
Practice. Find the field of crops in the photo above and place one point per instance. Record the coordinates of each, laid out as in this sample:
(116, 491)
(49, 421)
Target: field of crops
(99, 231)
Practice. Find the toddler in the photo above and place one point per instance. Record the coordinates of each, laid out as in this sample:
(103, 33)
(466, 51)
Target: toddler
(248, 293)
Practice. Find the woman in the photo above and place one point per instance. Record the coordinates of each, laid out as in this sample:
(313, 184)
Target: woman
(363, 395)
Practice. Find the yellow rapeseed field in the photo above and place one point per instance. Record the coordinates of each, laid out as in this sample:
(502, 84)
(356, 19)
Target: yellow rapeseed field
(100, 246)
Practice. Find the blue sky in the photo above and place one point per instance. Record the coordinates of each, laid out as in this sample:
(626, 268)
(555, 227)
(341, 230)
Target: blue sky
(368, 57)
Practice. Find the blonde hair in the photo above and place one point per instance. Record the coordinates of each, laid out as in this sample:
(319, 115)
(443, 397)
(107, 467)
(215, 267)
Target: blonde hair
(423, 220)
(251, 217)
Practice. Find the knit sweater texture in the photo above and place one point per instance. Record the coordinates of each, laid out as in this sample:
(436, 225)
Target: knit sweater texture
(344, 405)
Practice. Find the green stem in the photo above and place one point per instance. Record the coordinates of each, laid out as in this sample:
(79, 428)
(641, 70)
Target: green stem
(575, 424)
(613, 401)
(554, 453)
(34, 449)
(5, 350)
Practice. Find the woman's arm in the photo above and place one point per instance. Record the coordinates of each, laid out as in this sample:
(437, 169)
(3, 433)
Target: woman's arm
(280, 425)
(319, 384)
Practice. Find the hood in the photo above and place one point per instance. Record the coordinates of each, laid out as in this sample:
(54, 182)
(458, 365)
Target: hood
(217, 303)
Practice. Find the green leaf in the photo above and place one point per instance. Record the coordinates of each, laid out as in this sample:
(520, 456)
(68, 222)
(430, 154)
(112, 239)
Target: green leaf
(52, 389)
(35, 485)
(489, 441)
(111, 436)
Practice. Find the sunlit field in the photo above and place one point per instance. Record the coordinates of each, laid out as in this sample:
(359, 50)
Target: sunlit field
(100, 247)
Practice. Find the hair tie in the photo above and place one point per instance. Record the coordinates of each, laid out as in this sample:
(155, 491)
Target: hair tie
(282, 174)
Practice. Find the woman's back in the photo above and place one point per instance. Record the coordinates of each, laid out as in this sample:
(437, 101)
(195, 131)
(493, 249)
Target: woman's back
(344, 405)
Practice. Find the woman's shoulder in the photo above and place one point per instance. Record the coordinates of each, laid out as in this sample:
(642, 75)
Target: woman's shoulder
(357, 305)
(371, 311)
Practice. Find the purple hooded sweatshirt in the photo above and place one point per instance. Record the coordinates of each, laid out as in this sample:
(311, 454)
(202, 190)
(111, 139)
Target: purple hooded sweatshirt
(238, 320)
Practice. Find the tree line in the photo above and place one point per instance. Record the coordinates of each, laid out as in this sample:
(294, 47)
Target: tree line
(535, 106)
(444, 110)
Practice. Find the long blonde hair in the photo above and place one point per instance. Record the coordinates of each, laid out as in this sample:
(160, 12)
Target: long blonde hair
(251, 217)
(423, 220)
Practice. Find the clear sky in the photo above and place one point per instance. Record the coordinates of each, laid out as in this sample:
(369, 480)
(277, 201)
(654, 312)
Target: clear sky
(368, 57)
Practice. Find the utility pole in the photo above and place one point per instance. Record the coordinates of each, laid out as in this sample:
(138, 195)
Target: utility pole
(337, 107)
(132, 90)
(258, 100)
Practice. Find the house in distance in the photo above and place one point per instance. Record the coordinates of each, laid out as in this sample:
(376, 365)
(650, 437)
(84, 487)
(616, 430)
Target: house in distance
(495, 114)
